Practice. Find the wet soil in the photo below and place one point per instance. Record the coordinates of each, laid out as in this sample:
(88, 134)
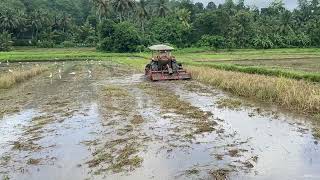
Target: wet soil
(97, 120)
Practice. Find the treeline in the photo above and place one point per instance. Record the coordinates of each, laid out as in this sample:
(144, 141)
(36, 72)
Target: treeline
(128, 25)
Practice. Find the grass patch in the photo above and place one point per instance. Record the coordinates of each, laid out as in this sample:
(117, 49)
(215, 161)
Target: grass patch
(316, 132)
(4, 160)
(118, 159)
(192, 172)
(229, 103)
(25, 146)
(137, 119)
(125, 159)
(32, 161)
(291, 94)
(220, 174)
(100, 158)
(115, 91)
(38, 123)
(7, 80)
(5, 177)
(234, 152)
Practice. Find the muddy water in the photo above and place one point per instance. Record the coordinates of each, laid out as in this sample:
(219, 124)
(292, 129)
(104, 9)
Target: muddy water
(66, 128)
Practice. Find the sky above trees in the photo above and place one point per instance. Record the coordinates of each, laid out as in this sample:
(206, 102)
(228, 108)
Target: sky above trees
(290, 4)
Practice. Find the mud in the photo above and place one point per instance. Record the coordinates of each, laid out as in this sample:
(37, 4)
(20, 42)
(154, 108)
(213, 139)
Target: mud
(100, 121)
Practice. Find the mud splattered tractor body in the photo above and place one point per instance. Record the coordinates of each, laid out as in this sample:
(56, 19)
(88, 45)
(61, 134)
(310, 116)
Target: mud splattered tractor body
(163, 66)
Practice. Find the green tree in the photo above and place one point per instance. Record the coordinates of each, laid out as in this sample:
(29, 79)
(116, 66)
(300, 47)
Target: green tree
(161, 7)
(5, 41)
(171, 31)
(184, 16)
(121, 37)
(215, 42)
(102, 7)
(211, 5)
(11, 20)
(142, 13)
(124, 7)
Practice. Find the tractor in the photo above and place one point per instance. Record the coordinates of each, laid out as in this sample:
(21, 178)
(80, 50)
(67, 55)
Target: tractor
(163, 65)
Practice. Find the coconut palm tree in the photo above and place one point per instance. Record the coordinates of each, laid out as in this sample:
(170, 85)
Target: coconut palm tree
(162, 8)
(123, 6)
(142, 12)
(64, 21)
(102, 7)
(10, 20)
(184, 16)
(35, 21)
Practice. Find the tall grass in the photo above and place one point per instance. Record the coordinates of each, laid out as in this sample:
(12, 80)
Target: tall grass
(295, 95)
(309, 76)
(7, 80)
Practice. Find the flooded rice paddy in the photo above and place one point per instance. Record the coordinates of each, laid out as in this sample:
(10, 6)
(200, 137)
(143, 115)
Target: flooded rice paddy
(97, 120)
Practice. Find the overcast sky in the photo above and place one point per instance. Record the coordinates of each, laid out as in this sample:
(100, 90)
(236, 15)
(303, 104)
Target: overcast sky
(290, 4)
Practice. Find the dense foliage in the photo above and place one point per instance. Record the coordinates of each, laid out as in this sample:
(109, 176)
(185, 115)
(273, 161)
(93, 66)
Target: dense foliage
(128, 25)
(5, 41)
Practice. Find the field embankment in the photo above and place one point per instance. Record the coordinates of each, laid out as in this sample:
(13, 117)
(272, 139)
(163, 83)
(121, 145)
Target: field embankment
(292, 94)
(299, 75)
(68, 54)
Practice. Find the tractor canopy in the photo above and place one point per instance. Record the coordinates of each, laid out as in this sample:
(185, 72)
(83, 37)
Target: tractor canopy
(161, 47)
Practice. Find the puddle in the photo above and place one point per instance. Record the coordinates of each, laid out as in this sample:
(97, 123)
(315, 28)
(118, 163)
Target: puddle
(283, 143)
(72, 121)
(12, 128)
(66, 153)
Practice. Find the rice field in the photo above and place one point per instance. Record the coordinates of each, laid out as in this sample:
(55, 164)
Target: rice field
(292, 94)
(287, 77)
(96, 114)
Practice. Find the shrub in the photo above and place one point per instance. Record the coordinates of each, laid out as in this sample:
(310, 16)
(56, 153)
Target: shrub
(23, 42)
(262, 42)
(45, 44)
(5, 41)
(121, 37)
(67, 44)
(215, 42)
(169, 30)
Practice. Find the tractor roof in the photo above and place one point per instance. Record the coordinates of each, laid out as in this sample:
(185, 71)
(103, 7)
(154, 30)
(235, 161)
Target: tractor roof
(161, 47)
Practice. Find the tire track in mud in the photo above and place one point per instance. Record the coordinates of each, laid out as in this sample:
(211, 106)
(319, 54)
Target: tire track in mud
(202, 132)
(172, 141)
(118, 150)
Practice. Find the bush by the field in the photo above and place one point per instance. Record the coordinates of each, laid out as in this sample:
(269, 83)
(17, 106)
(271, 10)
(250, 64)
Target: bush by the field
(5, 41)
